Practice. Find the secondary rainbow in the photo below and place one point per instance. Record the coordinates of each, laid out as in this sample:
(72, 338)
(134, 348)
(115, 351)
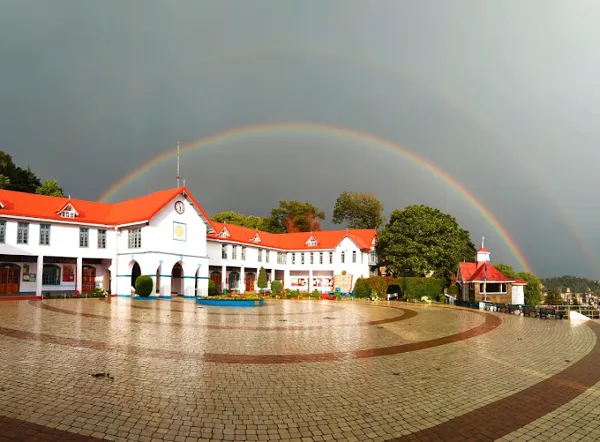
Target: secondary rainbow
(304, 128)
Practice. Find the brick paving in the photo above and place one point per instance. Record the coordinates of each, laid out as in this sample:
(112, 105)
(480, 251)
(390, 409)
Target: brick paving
(292, 370)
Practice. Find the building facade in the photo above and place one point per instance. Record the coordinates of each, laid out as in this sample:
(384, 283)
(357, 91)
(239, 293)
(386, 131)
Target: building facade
(52, 244)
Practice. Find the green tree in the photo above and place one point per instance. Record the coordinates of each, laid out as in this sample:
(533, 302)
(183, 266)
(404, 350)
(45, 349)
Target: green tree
(50, 188)
(358, 210)
(420, 239)
(554, 297)
(533, 289)
(238, 219)
(262, 279)
(13, 177)
(4, 182)
(295, 216)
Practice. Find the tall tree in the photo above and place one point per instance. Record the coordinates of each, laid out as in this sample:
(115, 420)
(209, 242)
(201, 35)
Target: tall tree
(533, 289)
(50, 188)
(294, 216)
(420, 239)
(262, 279)
(237, 219)
(358, 210)
(506, 270)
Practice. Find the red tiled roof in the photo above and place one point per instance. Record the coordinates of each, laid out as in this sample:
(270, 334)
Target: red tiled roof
(326, 239)
(519, 282)
(483, 250)
(474, 272)
(31, 205)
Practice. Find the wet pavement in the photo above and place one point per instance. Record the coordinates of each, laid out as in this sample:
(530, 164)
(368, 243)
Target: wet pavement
(292, 370)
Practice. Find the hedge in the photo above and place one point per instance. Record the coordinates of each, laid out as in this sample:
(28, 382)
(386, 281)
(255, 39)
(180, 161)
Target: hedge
(276, 287)
(212, 288)
(415, 288)
(143, 285)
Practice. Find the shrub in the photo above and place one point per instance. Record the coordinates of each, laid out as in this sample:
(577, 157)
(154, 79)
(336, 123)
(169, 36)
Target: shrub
(262, 279)
(276, 287)
(212, 288)
(143, 285)
(415, 288)
(362, 290)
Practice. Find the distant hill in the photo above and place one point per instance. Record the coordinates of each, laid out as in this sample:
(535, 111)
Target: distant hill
(577, 284)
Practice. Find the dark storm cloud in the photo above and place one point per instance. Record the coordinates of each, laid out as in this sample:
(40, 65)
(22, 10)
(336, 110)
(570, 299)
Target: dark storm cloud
(501, 96)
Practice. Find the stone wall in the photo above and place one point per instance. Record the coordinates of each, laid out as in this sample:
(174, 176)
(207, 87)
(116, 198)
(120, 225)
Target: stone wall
(495, 298)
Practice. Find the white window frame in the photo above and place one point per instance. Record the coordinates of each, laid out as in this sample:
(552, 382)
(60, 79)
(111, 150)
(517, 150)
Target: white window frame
(84, 237)
(22, 233)
(134, 238)
(45, 234)
(102, 238)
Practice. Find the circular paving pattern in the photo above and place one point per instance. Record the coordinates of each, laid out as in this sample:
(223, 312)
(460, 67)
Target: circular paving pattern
(291, 370)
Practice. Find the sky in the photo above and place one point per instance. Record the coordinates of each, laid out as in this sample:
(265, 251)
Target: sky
(502, 96)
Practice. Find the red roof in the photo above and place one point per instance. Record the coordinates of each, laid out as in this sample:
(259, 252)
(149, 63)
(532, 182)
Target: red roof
(474, 272)
(519, 282)
(483, 250)
(31, 205)
(326, 239)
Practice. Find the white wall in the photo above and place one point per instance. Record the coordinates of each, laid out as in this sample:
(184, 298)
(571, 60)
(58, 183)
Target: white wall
(64, 241)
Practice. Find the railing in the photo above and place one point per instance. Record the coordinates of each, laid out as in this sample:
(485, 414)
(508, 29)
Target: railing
(585, 310)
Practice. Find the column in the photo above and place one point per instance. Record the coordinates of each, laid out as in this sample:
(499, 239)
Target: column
(242, 279)
(223, 279)
(38, 275)
(286, 279)
(272, 275)
(310, 280)
(79, 274)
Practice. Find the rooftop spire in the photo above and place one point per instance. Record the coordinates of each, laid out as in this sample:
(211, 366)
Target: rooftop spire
(482, 242)
(178, 164)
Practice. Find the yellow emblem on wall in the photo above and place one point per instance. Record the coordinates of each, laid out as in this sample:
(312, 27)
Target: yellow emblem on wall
(179, 232)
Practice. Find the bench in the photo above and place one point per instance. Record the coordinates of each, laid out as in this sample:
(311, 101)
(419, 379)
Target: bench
(501, 307)
(545, 312)
(512, 308)
(529, 310)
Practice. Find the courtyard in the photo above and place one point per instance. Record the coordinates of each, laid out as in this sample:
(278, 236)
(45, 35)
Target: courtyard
(292, 370)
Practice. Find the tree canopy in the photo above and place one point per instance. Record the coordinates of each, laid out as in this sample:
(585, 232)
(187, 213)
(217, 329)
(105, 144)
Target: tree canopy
(419, 239)
(358, 210)
(13, 177)
(575, 283)
(237, 219)
(295, 216)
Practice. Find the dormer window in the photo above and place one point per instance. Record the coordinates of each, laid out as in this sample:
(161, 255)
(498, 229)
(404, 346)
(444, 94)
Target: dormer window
(312, 242)
(256, 239)
(68, 212)
(224, 233)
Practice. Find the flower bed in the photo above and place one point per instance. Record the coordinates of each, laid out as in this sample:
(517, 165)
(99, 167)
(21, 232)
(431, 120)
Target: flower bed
(232, 301)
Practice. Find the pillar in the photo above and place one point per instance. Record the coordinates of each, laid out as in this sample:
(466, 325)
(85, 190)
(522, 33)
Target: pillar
(38, 275)
(79, 274)
(310, 280)
(223, 278)
(242, 279)
(286, 279)
(272, 275)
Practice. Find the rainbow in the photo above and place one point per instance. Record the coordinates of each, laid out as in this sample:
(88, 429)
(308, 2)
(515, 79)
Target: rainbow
(270, 129)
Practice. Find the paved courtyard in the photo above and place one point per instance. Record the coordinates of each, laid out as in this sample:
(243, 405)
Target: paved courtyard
(292, 370)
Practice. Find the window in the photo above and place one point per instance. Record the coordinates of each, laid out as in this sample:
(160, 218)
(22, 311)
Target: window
(84, 237)
(302, 258)
(293, 258)
(234, 252)
(354, 256)
(320, 257)
(134, 241)
(373, 256)
(23, 233)
(312, 258)
(312, 242)
(343, 257)
(267, 255)
(51, 275)
(102, 239)
(44, 234)
(259, 255)
(330, 257)
(362, 257)
(492, 287)
(2, 232)
(224, 251)
(280, 258)
(244, 253)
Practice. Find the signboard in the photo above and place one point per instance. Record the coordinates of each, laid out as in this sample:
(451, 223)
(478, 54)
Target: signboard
(343, 282)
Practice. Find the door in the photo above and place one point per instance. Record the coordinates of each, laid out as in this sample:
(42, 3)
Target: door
(249, 282)
(88, 279)
(9, 279)
(216, 277)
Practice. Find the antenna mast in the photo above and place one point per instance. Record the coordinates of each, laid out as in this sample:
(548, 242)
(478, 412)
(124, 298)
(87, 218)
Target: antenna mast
(178, 164)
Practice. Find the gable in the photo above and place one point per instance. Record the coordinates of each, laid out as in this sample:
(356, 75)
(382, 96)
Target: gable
(311, 242)
(256, 238)
(224, 233)
(68, 211)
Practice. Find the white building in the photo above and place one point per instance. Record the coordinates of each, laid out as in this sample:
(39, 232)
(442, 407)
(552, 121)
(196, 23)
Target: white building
(52, 244)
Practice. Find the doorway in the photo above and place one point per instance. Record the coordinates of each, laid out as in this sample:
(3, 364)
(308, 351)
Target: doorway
(9, 278)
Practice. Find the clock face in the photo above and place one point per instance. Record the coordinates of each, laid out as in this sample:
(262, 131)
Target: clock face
(179, 207)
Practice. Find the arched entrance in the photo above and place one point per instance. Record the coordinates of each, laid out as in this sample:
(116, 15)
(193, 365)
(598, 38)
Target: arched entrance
(217, 278)
(234, 281)
(135, 272)
(88, 279)
(177, 279)
(10, 275)
(249, 280)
